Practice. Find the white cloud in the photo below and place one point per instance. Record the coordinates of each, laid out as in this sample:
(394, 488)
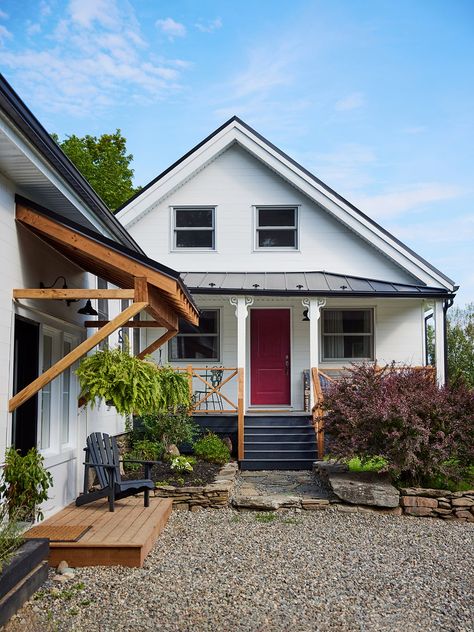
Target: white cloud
(95, 57)
(4, 34)
(413, 198)
(86, 12)
(171, 28)
(440, 231)
(3, 15)
(45, 8)
(209, 26)
(32, 28)
(350, 102)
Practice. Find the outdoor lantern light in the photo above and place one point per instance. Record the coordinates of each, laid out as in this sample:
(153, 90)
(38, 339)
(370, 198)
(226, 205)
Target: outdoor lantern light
(64, 287)
(88, 310)
(305, 318)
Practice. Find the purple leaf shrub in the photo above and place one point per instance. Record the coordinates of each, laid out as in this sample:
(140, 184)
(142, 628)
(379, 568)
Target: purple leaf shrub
(400, 414)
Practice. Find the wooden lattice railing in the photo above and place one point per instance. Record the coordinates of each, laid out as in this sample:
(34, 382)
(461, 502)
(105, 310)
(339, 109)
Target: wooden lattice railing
(321, 380)
(206, 389)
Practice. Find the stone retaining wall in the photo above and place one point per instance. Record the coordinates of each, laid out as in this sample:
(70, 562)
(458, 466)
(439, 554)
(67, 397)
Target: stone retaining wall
(438, 503)
(215, 495)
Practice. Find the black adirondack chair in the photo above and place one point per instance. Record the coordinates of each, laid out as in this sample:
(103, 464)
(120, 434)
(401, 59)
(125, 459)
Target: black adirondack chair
(102, 454)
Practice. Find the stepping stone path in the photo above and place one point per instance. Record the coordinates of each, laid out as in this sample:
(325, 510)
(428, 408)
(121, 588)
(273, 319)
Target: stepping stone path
(275, 489)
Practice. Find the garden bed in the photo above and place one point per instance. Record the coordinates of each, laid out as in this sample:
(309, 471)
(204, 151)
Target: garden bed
(215, 494)
(162, 474)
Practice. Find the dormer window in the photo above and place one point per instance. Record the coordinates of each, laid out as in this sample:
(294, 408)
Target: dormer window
(194, 228)
(277, 227)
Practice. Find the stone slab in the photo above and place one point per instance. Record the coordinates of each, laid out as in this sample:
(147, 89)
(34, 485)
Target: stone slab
(364, 488)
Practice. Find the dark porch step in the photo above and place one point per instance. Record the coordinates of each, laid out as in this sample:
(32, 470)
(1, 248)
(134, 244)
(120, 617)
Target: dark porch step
(277, 420)
(278, 430)
(281, 455)
(280, 464)
(270, 442)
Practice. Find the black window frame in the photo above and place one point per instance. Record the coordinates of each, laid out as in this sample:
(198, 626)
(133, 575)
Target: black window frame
(261, 227)
(176, 229)
(217, 335)
(370, 335)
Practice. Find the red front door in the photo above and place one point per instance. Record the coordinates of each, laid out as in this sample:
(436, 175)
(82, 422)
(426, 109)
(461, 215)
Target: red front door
(270, 357)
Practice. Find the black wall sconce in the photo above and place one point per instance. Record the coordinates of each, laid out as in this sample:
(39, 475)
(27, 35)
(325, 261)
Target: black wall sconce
(64, 287)
(305, 318)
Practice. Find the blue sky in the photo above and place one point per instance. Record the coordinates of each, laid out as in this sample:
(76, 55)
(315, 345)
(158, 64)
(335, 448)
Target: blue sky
(374, 97)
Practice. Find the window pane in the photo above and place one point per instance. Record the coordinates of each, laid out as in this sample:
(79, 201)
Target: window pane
(194, 218)
(276, 217)
(336, 321)
(208, 324)
(194, 239)
(46, 394)
(357, 321)
(347, 347)
(277, 238)
(194, 348)
(66, 403)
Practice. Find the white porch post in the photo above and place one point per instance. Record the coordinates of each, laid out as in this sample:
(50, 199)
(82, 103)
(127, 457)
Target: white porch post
(313, 305)
(439, 341)
(242, 304)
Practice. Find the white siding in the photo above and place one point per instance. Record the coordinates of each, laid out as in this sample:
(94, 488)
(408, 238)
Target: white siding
(235, 182)
(25, 261)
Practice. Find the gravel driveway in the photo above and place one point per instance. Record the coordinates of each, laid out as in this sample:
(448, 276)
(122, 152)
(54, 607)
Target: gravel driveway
(224, 571)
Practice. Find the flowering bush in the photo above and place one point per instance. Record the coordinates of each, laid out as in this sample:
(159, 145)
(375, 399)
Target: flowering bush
(401, 415)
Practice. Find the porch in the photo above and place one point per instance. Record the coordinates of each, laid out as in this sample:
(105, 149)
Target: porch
(123, 537)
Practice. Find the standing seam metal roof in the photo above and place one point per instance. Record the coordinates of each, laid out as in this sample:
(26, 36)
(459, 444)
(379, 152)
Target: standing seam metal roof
(300, 283)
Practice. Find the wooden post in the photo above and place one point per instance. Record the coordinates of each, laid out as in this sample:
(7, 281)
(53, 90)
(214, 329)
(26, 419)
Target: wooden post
(240, 416)
(189, 370)
(318, 418)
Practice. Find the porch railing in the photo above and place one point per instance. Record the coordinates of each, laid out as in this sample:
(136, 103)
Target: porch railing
(218, 390)
(321, 381)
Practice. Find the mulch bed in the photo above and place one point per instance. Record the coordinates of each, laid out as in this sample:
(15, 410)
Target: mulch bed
(202, 474)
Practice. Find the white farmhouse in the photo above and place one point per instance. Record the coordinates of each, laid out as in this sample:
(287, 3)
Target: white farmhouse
(289, 277)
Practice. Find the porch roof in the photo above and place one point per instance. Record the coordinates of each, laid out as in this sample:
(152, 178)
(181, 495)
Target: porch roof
(316, 283)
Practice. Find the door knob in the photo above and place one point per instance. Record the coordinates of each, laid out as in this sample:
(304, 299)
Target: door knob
(287, 364)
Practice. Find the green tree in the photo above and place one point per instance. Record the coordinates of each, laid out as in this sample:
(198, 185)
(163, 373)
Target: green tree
(105, 164)
(460, 335)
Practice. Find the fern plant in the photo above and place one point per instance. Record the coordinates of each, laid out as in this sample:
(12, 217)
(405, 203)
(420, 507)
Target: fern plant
(132, 385)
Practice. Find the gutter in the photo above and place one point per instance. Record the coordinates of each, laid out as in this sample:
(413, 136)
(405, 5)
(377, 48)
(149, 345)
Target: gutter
(446, 305)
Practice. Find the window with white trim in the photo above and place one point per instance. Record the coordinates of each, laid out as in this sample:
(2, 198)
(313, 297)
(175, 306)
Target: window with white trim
(277, 227)
(197, 342)
(194, 228)
(347, 334)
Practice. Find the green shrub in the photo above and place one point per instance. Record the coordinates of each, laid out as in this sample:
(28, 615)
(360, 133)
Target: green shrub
(372, 464)
(182, 464)
(167, 427)
(211, 448)
(144, 450)
(132, 385)
(25, 483)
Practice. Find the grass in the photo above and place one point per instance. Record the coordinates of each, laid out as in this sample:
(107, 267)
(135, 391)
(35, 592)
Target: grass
(265, 517)
(374, 464)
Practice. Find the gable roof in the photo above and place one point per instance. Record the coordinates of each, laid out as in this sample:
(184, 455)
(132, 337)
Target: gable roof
(23, 120)
(236, 131)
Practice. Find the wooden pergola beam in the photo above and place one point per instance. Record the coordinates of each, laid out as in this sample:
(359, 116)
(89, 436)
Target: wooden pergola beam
(68, 294)
(158, 343)
(29, 391)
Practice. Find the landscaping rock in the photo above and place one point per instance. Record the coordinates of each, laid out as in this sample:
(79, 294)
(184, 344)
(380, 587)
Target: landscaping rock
(418, 501)
(173, 450)
(423, 491)
(462, 502)
(364, 488)
(62, 566)
(266, 503)
(418, 511)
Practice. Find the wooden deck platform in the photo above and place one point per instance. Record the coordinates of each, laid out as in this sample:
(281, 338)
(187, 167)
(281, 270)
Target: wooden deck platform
(123, 537)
